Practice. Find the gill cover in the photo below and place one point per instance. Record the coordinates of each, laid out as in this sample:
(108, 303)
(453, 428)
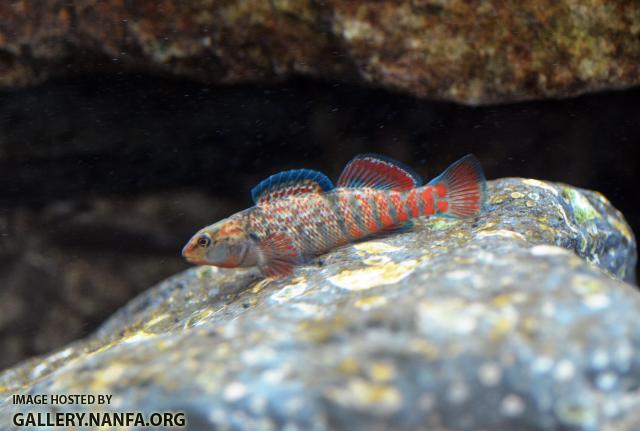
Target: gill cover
(224, 244)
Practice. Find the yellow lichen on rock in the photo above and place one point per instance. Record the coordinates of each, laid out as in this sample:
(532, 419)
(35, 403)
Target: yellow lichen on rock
(373, 276)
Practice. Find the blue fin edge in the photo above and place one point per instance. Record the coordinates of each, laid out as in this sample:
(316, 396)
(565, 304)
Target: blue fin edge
(292, 176)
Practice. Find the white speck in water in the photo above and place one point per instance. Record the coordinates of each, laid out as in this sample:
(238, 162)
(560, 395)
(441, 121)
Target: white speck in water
(258, 355)
(548, 309)
(308, 309)
(293, 405)
(606, 381)
(611, 407)
(458, 393)
(258, 404)
(512, 405)
(288, 292)
(60, 355)
(466, 324)
(460, 274)
(623, 353)
(534, 196)
(117, 402)
(600, 359)
(564, 370)
(597, 301)
(548, 250)
(218, 416)
(275, 375)
(38, 370)
(542, 365)
(489, 373)
(234, 391)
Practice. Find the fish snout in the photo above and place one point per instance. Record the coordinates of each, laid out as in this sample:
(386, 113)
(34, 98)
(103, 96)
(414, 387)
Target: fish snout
(187, 250)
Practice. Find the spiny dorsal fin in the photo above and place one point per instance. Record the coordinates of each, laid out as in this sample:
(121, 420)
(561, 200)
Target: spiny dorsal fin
(378, 172)
(290, 183)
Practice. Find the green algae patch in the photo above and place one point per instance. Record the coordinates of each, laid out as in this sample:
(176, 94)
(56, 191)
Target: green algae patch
(583, 211)
(442, 223)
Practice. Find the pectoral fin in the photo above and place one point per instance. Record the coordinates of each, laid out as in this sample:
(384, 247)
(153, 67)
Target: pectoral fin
(397, 228)
(279, 255)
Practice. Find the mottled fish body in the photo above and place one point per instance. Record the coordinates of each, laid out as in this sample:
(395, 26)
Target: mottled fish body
(300, 214)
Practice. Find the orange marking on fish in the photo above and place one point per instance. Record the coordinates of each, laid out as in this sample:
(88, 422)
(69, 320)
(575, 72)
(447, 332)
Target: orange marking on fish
(355, 231)
(367, 214)
(427, 198)
(383, 210)
(441, 189)
(397, 203)
(364, 208)
(372, 225)
(443, 206)
(349, 220)
(413, 204)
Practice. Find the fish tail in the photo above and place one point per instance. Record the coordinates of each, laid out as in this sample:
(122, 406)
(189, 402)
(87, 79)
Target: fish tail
(460, 191)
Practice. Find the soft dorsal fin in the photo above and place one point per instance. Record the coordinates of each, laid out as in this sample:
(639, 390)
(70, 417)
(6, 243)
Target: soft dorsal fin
(378, 172)
(290, 183)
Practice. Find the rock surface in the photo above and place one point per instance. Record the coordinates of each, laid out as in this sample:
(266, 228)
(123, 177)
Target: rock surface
(456, 50)
(521, 319)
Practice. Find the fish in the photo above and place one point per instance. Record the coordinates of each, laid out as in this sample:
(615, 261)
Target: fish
(299, 214)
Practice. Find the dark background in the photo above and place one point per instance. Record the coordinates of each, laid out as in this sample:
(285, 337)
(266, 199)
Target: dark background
(103, 178)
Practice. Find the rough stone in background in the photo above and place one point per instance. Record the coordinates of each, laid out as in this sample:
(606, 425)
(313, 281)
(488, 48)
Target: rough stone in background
(517, 320)
(497, 51)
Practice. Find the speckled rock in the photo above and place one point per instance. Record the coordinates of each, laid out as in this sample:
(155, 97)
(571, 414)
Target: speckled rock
(522, 319)
(457, 50)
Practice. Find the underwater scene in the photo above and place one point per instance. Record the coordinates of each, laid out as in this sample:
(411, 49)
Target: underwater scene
(320, 215)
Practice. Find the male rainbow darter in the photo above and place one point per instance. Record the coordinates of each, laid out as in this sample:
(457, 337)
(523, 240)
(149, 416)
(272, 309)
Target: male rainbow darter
(299, 214)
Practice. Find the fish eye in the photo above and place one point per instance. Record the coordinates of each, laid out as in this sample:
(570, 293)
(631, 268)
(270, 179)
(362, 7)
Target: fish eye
(204, 241)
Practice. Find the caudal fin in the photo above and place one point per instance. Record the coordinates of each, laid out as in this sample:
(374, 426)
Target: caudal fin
(462, 186)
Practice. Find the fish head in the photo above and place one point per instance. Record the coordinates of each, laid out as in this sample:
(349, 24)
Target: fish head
(225, 244)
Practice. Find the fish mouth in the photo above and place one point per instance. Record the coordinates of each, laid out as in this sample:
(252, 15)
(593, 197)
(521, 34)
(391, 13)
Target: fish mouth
(186, 254)
(195, 260)
(190, 249)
